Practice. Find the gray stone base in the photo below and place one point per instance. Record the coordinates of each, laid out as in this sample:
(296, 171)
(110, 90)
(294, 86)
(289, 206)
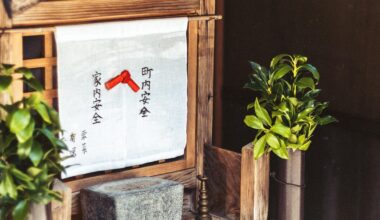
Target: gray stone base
(144, 198)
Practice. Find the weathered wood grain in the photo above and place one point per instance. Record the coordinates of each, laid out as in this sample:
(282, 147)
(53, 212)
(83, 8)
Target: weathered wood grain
(254, 185)
(73, 11)
(11, 53)
(191, 93)
(222, 167)
(205, 83)
(61, 210)
(5, 21)
(292, 171)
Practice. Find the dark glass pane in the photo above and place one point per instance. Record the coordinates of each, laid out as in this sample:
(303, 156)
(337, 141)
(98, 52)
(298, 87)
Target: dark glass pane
(33, 47)
(55, 82)
(39, 73)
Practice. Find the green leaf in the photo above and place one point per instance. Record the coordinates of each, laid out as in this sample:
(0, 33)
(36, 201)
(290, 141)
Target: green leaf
(326, 120)
(276, 59)
(262, 71)
(259, 147)
(272, 140)
(301, 139)
(250, 106)
(253, 122)
(47, 133)
(305, 82)
(33, 83)
(262, 113)
(304, 113)
(26, 72)
(300, 58)
(10, 186)
(34, 171)
(281, 72)
(36, 153)
(27, 133)
(21, 210)
(296, 128)
(305, 146)
(281, 130)
(23, 149)
(20, 175)
(19, 120)
(253, 86)
(7, 69)
(34, 99)
(293, 101)
(42, 110)
(282, 152)
(5, 81)
(311, 69)
(312, 94)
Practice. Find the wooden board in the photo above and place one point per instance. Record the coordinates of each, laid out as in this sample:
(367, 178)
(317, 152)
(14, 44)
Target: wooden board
(222, 167)
(254, 185)
(61, 210)
(74, 11)
(292, 171)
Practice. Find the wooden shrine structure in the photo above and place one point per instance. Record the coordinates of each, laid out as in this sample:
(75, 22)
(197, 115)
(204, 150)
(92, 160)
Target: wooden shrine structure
(27, 39)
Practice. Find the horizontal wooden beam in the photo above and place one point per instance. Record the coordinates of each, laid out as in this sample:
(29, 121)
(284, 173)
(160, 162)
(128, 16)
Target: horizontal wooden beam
(43, 30)
(40, 62)
(74, 11)
(150, 170)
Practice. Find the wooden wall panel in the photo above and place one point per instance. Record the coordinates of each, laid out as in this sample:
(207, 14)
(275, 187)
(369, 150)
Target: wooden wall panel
(222, 167)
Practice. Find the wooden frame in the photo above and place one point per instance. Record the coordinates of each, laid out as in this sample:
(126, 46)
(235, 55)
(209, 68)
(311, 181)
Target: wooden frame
(48, 62)
(34, 21)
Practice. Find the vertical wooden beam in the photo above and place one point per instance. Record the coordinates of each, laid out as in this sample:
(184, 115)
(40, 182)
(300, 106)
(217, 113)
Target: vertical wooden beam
(254, 186)
(205, 81)
(218, 86)
(192, 93)
(291, 197)
(11, 53)
(206, 34)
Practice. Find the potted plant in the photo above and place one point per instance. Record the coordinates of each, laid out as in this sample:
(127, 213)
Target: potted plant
(30, 151)
(286, 112)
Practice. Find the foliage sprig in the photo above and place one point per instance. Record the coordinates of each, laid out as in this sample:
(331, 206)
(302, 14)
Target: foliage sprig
(30, 152)
(286, 113)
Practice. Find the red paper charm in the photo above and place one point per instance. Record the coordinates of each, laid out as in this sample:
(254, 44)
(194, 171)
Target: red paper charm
(123, 77)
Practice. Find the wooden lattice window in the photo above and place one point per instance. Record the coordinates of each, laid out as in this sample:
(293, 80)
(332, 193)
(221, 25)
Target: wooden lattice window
(36, 50)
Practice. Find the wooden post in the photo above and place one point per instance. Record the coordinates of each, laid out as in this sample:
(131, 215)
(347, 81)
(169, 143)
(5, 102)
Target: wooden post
(254, 187)
(291, 197)
(206, 32)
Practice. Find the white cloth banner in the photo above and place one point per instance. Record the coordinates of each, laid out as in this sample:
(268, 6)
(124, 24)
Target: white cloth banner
(116, 128)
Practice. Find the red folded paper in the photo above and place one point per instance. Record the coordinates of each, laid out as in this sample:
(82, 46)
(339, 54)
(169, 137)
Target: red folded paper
(123, 77)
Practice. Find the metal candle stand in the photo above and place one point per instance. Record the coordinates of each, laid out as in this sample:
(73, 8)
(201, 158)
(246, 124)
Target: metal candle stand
(203, 211)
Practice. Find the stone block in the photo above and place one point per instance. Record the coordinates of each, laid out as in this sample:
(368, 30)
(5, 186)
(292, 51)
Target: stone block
(145, 198)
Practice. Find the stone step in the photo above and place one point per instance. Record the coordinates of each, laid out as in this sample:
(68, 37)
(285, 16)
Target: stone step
(144, 198)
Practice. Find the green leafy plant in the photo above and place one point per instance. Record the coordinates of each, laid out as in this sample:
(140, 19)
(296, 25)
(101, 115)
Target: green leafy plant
(286, 113)
(30, 152)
